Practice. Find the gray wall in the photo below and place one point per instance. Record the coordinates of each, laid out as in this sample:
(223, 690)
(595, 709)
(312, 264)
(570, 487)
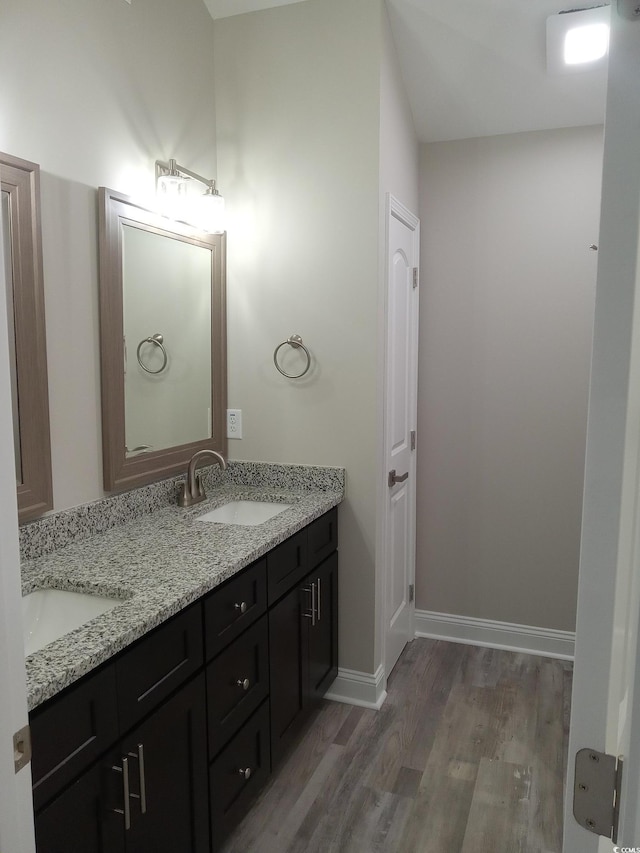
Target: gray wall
(507, 295)
(298, 95)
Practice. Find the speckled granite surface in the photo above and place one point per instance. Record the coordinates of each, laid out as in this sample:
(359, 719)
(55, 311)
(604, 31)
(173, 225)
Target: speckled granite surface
(158, 563)
(48, 534)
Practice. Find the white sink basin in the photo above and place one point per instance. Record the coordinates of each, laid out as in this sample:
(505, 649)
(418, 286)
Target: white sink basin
(245, 513)
(48, 614)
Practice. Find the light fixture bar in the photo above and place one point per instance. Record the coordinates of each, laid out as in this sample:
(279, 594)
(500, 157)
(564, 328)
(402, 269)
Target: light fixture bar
(174, 169)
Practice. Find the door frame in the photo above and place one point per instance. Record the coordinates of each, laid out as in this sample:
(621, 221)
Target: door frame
(605, 700)
(393, 208)
(16, 807)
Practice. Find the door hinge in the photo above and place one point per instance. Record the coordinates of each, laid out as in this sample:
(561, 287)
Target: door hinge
(412, 592)
(415, 277)
(21, 748)
(413, 439)
(596, 792)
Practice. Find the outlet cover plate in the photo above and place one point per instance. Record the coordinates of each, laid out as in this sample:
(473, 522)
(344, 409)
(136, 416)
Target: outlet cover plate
(234, 423)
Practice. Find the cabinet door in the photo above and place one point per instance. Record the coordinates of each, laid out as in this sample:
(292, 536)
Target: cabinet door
(171, 778)
(323, 630)
(83, 817)
(288, 669)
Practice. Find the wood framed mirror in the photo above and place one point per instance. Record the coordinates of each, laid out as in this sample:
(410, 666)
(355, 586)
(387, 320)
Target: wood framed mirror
(22, 250)
(163, 342)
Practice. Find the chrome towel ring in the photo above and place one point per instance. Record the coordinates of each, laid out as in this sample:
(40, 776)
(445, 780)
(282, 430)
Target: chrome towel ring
(294, 341)
(158, 341)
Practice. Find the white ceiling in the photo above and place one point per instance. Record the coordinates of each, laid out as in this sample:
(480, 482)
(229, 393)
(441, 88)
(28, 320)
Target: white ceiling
(478, 67)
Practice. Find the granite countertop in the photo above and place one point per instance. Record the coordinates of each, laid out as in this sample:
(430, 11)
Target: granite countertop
(158, 563)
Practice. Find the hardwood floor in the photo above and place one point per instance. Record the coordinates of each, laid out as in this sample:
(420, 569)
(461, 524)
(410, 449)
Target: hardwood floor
(467, 755)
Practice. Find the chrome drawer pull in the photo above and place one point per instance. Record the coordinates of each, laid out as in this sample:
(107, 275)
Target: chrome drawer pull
(244, 683)
(318, 599)
(312, 615)
(126, 810)
(142, 796)
(242, 606)
(246, 773)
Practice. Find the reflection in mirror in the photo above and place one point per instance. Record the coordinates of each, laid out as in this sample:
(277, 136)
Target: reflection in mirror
(22, 251)
(163, 342)
(167, 382)
(13, 367)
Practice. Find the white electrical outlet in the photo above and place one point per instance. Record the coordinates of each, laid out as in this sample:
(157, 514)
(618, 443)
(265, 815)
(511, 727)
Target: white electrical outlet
(234, 423)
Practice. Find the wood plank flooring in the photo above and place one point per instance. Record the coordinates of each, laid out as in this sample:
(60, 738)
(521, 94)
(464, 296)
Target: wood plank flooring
(467, 755)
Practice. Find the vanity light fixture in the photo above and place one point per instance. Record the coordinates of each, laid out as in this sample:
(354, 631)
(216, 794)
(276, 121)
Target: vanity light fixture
(578, 40)
(177, 200)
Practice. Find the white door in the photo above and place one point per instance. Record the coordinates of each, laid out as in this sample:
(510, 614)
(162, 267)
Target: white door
(400, 425)
(16, 812)
(605, 712)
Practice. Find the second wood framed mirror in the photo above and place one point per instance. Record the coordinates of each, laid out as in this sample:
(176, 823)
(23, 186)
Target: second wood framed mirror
(163, 342)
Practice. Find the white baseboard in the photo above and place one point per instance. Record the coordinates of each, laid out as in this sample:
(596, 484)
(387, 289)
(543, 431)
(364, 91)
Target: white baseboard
(359, 688)
(495, 635)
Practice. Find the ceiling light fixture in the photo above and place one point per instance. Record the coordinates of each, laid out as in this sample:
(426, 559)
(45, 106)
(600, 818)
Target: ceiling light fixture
(578, 39)
(177, 200)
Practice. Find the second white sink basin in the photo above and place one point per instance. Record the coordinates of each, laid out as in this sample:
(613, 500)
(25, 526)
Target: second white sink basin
(48, 614)
(245, 513)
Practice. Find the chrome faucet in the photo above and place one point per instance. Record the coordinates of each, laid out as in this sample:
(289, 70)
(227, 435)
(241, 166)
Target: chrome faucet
(192, 492)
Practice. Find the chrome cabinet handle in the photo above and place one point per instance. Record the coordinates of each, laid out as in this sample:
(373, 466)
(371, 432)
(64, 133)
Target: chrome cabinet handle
(142, 796)
(395, 478)
(312, 615)
(126, 810)
(318, 600)
(242, 606)
(245, 773)
(244, 683)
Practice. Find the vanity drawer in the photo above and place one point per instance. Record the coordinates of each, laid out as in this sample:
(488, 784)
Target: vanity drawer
(237, 682)
(323, 537)
(71, 731)
(231, 792)
(286, 565)
(234, 606)
(157, 664)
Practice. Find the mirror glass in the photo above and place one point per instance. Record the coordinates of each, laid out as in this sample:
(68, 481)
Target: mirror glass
(163, 342)
(22, 252)
(167, 380)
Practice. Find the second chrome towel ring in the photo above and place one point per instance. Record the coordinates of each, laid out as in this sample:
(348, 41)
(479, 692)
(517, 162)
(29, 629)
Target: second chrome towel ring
(294, 341)
(158, 341)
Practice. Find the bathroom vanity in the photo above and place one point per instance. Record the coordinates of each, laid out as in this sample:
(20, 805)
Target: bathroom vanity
(163, 745)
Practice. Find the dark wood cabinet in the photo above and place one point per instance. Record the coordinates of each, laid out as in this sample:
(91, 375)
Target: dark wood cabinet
(83, 816)
(288, 670)
(156, 665)
(166, 746)
(323, 631)
(148, 794)
(70, 733)
(303, 639)
(168, 777)
(237, 682)
(237, 775)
